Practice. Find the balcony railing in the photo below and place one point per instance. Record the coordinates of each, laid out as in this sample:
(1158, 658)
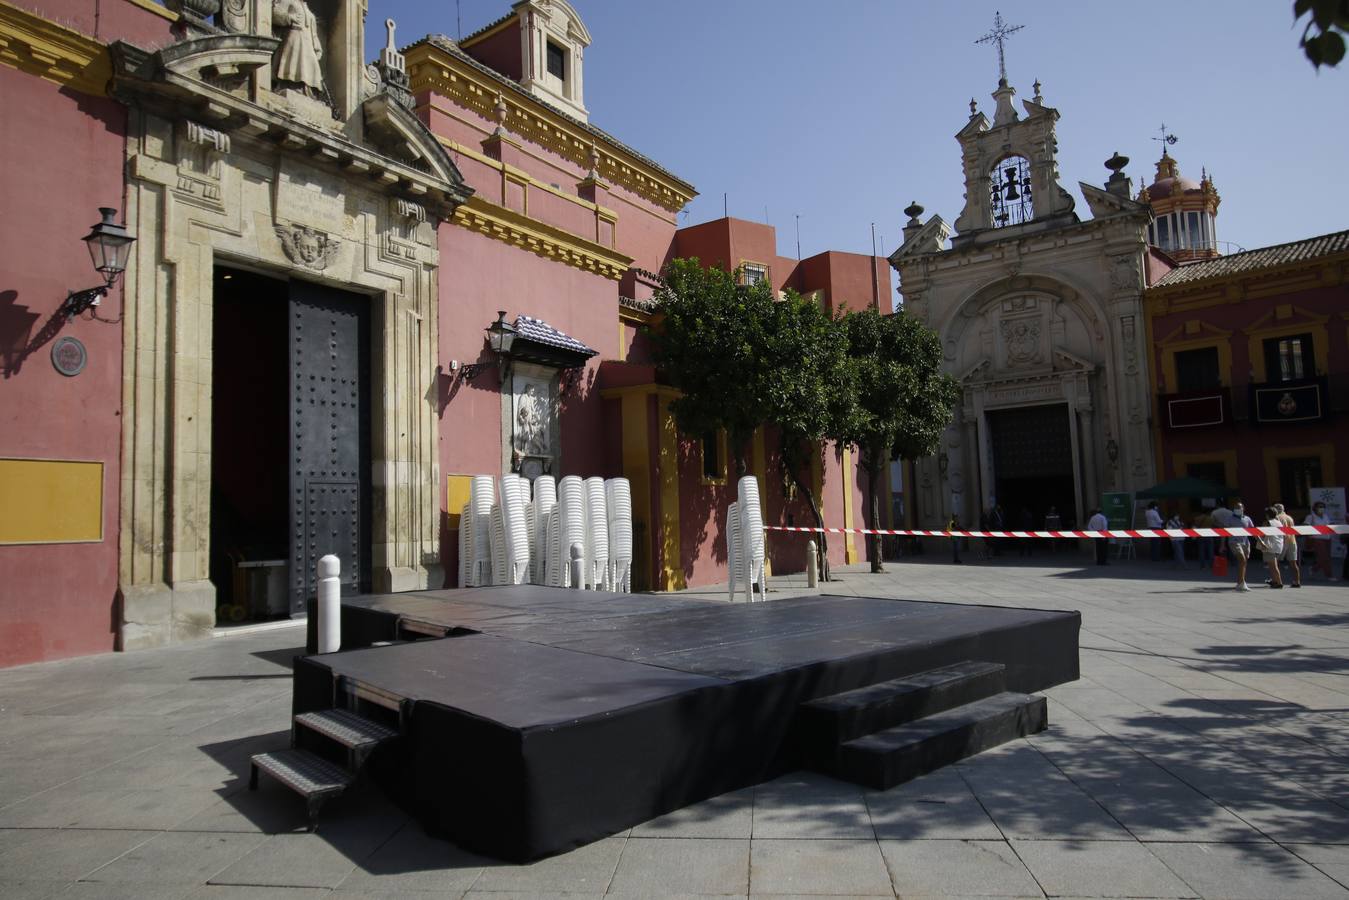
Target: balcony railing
(1196, 409)
(1284, 402)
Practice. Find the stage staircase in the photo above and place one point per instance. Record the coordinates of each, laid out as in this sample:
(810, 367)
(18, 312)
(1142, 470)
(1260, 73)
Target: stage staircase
(319, 740)
(884, 734)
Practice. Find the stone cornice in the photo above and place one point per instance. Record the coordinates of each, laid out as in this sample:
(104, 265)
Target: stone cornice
(541, 239)
(59, 54)
(433, 69)
(153, 80)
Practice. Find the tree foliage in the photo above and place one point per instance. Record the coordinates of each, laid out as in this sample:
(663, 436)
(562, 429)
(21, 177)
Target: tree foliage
(711, 346)
(742, 360)
(901, 402)
(1323, 38)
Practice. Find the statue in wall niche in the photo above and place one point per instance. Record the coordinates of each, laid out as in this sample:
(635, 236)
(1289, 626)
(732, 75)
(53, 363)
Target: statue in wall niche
(297, 62)
(531, 423)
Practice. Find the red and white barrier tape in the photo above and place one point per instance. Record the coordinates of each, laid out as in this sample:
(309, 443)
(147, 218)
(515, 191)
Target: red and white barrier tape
(1129, 533)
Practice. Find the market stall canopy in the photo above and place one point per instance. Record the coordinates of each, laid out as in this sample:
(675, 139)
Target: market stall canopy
(1187, 487)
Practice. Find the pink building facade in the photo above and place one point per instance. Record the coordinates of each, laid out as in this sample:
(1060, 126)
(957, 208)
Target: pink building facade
(143, 492)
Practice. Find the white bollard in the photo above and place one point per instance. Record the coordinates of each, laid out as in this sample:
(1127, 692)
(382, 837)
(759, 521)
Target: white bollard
(578, 553)
(812, 564)
(329, 604)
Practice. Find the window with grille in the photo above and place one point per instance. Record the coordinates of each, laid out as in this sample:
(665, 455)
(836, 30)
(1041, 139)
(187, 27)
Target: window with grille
(1289, 358)
(753, 273)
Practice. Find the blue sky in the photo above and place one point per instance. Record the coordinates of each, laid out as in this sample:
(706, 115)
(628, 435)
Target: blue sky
(843, 111)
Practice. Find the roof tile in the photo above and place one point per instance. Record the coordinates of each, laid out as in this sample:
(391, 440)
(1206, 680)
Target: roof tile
(1254, 260)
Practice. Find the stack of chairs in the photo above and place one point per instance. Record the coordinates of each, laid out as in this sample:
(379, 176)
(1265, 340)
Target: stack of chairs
(545, 501)
(571, 528)
(735, 568)
(476, 546)
(514, 561)
(618, 500)
(749, 554)
(597, 535)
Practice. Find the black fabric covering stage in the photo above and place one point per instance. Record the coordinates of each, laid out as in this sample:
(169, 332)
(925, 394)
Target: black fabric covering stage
(557, 717)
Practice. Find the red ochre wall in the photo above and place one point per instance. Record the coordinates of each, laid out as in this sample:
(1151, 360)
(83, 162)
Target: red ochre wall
(63, 158)
(1246, 440)
(500, 51)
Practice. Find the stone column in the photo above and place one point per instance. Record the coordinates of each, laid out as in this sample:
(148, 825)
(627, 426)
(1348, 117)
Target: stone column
(1091, 477)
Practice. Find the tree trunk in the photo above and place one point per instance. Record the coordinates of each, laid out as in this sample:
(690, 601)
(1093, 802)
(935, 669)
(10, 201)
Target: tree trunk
(789, 458)
(872, 463)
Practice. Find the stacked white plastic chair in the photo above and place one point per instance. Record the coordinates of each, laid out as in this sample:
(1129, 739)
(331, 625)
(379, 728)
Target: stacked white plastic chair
(465, 544)
(545, 501)
(514, 530)
(571, 527)
(498, 543)
(597, 535)
(482, 494)
(734, 553)
(618, 497)
(751, 554)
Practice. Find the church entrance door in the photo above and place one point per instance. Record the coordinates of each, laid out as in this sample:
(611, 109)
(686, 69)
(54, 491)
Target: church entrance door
(329, 492)
(1033, 464)
(290, 442)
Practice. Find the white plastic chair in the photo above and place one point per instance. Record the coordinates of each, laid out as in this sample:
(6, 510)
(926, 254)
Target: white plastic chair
(618, 497)
(734, 551)
(751, 537)
(545, 500)
(482, 494)
(571, 505)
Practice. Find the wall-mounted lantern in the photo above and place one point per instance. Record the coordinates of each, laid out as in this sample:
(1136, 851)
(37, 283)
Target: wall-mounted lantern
(1112, 450)
(500, 337)
(109, 247)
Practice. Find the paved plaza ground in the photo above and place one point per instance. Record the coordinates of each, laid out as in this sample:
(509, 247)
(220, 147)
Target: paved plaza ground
(1203, 753)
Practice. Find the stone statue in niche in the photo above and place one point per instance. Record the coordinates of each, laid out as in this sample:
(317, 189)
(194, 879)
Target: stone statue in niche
(531, 422)
(297, 62)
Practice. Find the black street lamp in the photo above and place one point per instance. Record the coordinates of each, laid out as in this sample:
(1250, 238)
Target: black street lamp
(109, 247)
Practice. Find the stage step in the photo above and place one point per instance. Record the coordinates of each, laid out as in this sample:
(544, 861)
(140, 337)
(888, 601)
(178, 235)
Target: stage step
(308, 774)
(887, 758)
(827, 722)
(346, 728)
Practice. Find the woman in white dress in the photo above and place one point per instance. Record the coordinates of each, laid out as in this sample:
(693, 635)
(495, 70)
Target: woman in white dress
(1271, 548)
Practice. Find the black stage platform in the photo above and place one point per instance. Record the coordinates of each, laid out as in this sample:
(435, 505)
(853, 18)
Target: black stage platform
(550, 718)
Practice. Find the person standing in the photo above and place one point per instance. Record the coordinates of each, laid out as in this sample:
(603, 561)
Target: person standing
(1154, 521)
(1239, 548)
(1098, 522)
(1177, 543)
(954, 525)
(1322, 546)
(1271, 548)
(1205, 544)
(1290, 549)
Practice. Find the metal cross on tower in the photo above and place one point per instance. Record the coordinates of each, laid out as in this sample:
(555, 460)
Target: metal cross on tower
(1166, 138)
(998, 36)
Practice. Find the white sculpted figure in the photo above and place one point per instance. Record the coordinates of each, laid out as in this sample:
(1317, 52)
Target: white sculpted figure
(531, 423)
(298, 59)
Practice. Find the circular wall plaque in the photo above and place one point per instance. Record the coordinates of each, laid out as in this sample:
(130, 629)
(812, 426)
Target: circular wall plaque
(69, 356)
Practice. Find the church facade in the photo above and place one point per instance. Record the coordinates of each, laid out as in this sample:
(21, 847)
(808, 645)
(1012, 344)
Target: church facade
(1041, 315)
(297, 357)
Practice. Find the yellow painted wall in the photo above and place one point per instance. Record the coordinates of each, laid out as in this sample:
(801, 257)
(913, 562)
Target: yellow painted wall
(457, 489)
(50, 501)
(849, 520)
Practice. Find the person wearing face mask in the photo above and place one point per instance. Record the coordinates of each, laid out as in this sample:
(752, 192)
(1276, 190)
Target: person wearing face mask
(1240, 547)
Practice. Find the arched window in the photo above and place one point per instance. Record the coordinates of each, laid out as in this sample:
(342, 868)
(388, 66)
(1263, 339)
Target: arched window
(1009, 184)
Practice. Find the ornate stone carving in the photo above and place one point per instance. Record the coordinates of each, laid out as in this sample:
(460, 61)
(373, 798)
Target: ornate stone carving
(307, 247)
(1022, 339)
(1123, 274)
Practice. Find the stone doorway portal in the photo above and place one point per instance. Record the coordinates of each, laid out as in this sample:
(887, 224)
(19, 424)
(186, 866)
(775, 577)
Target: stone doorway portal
(290, 441)
(1033, 463)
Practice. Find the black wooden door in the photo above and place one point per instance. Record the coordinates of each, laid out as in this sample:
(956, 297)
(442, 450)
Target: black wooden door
(329, 437)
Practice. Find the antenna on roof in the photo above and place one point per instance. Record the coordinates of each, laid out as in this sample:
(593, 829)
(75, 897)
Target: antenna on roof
(725, 206)
(798, 235)
(458, 19)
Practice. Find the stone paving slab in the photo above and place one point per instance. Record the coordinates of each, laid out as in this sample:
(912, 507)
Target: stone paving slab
(1204, 752)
